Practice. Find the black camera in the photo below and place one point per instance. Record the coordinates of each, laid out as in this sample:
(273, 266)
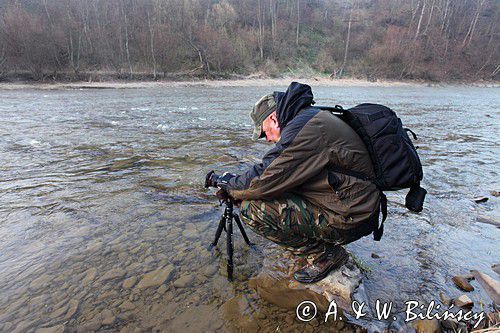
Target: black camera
(211, 179)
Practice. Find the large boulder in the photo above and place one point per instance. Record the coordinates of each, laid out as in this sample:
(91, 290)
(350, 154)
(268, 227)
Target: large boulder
(275, 283)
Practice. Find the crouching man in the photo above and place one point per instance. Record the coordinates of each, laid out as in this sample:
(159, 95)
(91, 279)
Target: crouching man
(304, 195)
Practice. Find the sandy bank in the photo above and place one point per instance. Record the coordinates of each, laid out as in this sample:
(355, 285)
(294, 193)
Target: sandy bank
(248, 82)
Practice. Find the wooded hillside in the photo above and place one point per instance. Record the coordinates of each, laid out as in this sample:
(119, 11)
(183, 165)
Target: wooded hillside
(395, 39)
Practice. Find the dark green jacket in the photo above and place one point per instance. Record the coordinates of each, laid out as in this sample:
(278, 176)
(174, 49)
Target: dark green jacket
(311, 142)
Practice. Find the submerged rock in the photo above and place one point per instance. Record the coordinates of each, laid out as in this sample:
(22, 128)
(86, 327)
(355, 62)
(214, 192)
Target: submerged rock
(444, 299)
(112, 274)
(207, 320)
(462, 283)
(275, 283)
(156, 277)
(129, 283)
(237, 311)
(184, 281)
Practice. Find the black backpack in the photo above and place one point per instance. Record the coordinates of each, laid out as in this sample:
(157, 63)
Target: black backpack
(395, 159)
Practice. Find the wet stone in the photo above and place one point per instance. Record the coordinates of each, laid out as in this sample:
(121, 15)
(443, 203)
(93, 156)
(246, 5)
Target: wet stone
(41, 281)
(275, 284)
(184, 281)
(210, 270)
(480, 199)
(108, 318)
(156, 277)
(89, 276)
(113, 274)
(162, 289)
(462, 283)
(463, 301)
(72, 308)
(129, 283)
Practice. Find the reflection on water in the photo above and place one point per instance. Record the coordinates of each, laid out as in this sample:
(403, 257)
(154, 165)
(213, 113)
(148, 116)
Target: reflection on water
(104, 221)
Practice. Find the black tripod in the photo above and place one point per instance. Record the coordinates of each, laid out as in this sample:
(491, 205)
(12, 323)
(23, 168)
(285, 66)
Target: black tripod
(226, 223)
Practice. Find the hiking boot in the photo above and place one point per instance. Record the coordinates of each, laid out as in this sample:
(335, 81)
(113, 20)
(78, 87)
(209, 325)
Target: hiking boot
(333, 258)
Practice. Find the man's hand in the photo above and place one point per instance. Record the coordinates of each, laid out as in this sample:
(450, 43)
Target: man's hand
(222, 194)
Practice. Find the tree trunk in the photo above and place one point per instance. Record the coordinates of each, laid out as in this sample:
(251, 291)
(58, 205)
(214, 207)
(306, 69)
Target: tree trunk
(298, 23)
(344, 62)
(430, 18)
(445, 16)
(472, 26)
(420, 21)
(127, 50)
(261, 30)
(151, 43)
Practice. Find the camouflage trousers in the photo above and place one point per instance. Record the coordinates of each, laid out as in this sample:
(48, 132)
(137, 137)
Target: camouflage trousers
(291, 222)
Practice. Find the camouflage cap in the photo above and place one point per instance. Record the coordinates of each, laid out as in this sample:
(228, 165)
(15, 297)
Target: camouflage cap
(262, 109)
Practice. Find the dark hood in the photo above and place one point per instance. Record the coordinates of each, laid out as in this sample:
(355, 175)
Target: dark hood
(297, 97)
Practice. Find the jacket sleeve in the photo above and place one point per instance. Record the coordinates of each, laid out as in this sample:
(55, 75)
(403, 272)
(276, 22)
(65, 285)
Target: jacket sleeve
(299, 161)
(241, 182)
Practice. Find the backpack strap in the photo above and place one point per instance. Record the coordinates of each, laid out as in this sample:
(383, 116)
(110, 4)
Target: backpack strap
(377, 233)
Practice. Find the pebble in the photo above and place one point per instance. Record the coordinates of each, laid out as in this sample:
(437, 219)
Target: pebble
(41, 281)
(72, 308)
(129, 283)
(156, 277)
(108, 317)
(444, 299)
(162, 289)
(113, 274)
(184, 281)
(480, 199)
(463, 301)
(127, 305)
(210, 270)
(59, 311)
(462, 283)
(89, 276)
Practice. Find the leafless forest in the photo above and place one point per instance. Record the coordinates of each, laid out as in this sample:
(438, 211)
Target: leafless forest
(153, 39)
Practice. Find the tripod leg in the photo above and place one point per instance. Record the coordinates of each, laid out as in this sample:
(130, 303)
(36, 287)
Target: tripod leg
(229, 232)
(243, 233)
(221, 225)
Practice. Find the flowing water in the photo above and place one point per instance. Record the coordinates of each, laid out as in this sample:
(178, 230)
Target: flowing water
(104, 220)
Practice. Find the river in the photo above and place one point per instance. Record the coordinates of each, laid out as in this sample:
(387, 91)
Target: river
(98, 188)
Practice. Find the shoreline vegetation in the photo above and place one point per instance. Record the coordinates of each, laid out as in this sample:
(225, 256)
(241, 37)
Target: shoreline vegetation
(432, 41)
(144, 80)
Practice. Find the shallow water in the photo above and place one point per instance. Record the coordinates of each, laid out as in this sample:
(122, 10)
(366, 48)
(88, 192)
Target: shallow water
(100, 187)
